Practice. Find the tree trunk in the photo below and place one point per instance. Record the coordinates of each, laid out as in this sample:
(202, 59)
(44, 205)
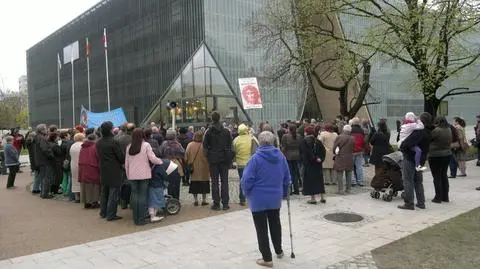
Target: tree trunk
(343, 99)
(431, 105)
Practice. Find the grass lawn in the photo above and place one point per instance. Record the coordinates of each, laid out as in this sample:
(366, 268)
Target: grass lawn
(453, 244)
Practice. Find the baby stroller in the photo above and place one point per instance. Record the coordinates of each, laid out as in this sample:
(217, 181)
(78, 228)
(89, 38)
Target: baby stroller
(389, 181)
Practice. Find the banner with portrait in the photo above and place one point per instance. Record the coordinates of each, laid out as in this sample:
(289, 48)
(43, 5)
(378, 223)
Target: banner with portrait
(90, 119)
(251, 97)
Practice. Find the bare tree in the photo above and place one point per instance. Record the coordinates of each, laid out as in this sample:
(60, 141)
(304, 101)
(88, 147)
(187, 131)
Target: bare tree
(288, 31)
(435, 37)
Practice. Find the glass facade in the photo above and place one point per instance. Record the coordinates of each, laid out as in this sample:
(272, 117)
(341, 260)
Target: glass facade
(227, 37)
(199, 89)
(149, 42)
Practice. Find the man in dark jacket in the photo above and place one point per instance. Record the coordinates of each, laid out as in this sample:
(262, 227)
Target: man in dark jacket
(111, 158)
(413, 180)
(43, 162)
(124, 139)
(217, 145)
(358, 134)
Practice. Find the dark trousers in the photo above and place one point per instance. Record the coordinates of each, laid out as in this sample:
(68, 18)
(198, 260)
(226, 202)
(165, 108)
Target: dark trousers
(219, 171)
(453, 165)
(174, 185)
(413, 183)
(46, 179)
(295, 175)
(241, 196)
(11, 175)
(186, 177)
(109, 202)
(264, 220)
(439, 168)
(139, 200)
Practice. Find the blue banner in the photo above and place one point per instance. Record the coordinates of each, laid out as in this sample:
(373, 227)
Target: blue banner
(92, 120)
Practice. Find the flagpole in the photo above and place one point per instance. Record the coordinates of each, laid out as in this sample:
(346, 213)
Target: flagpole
(88, 76)
(106, 66)
(59, 94)
(73, 95)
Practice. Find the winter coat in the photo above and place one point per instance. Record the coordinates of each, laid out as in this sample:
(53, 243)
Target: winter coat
(441, 142)
(74, 154)
(30, 145)
(155, 147)
(158, 137)
(138, 166)
(160, 178)
(360, 139)
(266, 179)
(11, 155)
(312, 154)
(381, 146)
(328, 139)
(43, 152)
(18, 142)
(242, 147)
(184, 140)
(124, 140)
(217, 144)
(344, 158)
(111, 159)
(420, 138)
(88, 167)
(173, 150)
(291, 147)
(194, 155)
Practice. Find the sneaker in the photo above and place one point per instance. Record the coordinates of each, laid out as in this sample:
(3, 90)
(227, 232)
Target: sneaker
(421, 168)
(279, 256)
(215, 207)
(436, 201)
(155, 219)
(226, 207)
(263, 263)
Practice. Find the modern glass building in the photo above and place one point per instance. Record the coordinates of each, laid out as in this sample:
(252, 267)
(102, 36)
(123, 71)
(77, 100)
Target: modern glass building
(187, 51)
(395, 85)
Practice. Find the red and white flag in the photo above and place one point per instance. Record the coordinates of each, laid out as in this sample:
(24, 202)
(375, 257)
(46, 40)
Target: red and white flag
(105, 38)
(87, 47)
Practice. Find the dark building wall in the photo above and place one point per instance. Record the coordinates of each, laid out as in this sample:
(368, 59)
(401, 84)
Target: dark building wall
(148, 43)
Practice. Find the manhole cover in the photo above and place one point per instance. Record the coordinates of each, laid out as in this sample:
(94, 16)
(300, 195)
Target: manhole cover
(343, 217)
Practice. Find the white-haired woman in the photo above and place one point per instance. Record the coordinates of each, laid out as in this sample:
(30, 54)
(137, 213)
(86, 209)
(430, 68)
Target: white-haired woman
(265, 182)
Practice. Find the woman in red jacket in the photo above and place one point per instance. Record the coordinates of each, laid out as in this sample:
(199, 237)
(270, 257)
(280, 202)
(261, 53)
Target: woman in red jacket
(89, 171)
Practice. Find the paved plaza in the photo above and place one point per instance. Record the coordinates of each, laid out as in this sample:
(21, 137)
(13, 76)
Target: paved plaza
(229, 241)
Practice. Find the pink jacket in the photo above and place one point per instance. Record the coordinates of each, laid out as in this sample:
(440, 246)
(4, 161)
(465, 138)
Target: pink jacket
(138, 166)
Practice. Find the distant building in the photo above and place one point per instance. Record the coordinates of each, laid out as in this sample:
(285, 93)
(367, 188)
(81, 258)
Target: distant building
(23, 84)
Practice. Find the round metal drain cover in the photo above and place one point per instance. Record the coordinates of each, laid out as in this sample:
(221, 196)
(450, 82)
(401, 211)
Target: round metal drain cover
(343, 217)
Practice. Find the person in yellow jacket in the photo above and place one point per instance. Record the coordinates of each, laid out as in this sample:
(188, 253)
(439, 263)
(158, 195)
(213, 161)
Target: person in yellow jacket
(244, 146)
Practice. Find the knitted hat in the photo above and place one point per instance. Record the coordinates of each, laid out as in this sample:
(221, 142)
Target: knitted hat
(410, 116)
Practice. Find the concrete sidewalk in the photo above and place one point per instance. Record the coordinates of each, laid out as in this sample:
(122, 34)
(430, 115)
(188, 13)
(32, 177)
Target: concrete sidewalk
(229, 241)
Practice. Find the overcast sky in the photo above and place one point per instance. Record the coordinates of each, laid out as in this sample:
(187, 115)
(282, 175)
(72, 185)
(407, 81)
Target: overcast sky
(23, 23)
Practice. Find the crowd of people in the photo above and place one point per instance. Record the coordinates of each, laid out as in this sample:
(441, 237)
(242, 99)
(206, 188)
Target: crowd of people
(103, 167)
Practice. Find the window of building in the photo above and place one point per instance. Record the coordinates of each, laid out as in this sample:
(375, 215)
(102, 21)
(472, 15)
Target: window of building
(199, 89)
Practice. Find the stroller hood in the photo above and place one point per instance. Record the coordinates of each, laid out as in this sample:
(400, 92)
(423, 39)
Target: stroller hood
(394, 159)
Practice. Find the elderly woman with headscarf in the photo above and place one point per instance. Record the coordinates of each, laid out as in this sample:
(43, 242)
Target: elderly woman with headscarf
(312, 154)
(74, 153)
(265, 181)
(171, 149)
(89, 171)
(200, 172)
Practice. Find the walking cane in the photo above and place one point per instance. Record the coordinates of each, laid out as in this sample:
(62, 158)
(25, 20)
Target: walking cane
(292, 255)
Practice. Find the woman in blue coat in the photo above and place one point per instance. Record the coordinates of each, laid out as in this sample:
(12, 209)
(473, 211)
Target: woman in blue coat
(265, 182)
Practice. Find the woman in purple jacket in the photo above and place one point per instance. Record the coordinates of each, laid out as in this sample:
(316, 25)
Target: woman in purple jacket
(264, 191)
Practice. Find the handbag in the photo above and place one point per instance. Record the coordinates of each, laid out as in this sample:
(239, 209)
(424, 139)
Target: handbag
(190, 165)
